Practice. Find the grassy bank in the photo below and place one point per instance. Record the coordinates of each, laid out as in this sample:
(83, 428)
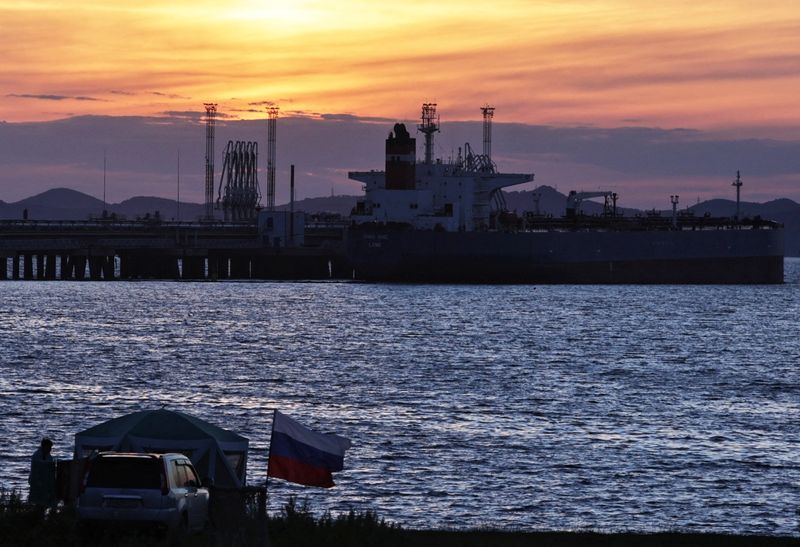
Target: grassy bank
(296, 526)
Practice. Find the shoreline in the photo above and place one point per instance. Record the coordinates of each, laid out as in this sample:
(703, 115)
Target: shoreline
(296, 526)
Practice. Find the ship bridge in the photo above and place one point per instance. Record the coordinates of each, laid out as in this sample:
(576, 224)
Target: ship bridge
(456, 195)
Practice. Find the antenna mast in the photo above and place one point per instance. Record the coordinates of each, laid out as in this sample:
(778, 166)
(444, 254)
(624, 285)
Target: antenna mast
(738, 184)
(178, 204)
(488, 114)
(104, 182)
(429, 126)
(211, 112)
(272, 129)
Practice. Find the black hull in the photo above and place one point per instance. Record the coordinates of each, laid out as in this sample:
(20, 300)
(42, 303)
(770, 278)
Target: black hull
(713, 257)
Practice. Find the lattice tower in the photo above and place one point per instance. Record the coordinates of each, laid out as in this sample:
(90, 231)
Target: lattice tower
(211, 113)
(272, 129)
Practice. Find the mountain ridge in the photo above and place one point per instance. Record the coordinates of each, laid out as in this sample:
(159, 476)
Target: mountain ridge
(68, 204)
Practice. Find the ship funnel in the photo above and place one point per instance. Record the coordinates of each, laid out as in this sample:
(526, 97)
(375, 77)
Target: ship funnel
(401, 159)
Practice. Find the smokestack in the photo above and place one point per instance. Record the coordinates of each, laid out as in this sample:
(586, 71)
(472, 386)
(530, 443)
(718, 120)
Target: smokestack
(401, 159)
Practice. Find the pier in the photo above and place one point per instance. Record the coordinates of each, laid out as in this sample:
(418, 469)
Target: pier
(152, 249)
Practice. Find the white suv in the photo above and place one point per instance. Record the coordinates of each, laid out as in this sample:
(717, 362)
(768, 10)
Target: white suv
(161, 489)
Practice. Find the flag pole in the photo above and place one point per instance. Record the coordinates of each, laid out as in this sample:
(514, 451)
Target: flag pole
(263, 507)
(269, 450)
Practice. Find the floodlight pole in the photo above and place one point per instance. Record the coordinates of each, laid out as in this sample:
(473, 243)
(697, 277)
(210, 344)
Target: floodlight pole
(674, 201)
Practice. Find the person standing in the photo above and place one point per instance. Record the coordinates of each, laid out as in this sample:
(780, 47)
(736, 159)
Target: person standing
(42, 478)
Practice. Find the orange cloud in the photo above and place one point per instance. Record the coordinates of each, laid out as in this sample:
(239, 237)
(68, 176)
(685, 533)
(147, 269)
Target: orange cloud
(721, 64)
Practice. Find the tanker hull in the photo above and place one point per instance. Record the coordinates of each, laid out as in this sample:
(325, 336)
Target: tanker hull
(722, 256)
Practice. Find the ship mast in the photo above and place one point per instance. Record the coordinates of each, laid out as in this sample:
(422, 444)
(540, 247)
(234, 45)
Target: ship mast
(488, 114)
(429, 126)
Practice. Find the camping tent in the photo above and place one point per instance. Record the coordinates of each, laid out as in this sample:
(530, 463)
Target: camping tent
(215, 452)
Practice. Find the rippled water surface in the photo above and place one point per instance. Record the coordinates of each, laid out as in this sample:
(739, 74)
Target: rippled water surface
(533, 407)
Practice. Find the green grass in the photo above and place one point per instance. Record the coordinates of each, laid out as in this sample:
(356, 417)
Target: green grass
(297, 526)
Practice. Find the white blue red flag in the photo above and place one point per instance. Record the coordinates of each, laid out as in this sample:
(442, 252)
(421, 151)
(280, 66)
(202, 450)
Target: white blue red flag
(297, 454)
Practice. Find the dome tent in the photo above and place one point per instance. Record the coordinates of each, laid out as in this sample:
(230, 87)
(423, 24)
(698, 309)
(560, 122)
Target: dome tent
(215, 452)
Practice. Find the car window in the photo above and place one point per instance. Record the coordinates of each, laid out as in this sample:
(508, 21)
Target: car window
(191, 476)
(180, 474)
(122, 472)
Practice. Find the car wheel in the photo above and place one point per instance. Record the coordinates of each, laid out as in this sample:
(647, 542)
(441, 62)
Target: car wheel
(180, 532)
(87, 534)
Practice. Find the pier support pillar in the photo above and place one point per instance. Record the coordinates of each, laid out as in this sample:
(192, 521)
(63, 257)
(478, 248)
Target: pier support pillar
(341, 268)
(38, 272)
(164, 267)
(240, 267)
(66, 267)
(50, 267)
(15, 266)
(193, 267)
(80, 267)
(27, 271)
(95, 267)
(213, 267)
(108, 268)
(258, 267)
(3, 268)
(125, 266)
(221, 266)
(174, 271)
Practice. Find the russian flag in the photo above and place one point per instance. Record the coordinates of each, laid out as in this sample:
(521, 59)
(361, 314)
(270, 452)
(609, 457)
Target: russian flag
(299, 455)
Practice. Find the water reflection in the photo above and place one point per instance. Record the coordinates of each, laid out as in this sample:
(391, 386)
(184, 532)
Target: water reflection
(534, 407)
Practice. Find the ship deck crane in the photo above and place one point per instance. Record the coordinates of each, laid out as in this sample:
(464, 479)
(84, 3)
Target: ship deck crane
(574, 200)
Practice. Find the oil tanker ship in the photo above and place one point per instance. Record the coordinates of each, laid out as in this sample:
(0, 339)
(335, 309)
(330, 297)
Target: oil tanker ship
(437, 221)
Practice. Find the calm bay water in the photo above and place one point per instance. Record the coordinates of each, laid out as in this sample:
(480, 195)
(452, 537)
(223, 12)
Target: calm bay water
(532, 407)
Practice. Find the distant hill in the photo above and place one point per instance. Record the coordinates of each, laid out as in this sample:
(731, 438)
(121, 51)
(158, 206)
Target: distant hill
(783, 210)
(340, 205)
(56, 204)
(726, 207)
(167, 208)
(552, 202)
(66, 204)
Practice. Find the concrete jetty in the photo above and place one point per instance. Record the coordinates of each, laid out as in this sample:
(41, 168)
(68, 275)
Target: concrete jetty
(154, 249)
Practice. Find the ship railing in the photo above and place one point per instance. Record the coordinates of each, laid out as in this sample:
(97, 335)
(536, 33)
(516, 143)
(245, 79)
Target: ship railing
(638, 223)
(121, 225)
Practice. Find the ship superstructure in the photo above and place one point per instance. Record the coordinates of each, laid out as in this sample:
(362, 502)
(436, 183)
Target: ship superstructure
(457, 195)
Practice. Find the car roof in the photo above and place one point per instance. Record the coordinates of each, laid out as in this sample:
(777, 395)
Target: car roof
(143, 455)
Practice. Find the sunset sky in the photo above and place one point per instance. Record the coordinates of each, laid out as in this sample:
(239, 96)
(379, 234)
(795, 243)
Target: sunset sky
(729, 69)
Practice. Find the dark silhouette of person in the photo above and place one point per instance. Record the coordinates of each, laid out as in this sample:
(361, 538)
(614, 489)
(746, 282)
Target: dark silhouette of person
(42, 478)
